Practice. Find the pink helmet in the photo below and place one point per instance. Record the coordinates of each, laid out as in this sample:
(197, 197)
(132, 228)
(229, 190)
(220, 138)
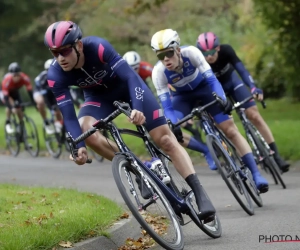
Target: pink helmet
(62, 33)
(207, 41)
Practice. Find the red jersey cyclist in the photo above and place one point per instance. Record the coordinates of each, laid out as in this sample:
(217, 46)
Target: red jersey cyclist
(11, 83)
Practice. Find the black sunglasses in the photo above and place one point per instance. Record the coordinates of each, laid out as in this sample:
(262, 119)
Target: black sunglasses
(168, 54)
(63, 52)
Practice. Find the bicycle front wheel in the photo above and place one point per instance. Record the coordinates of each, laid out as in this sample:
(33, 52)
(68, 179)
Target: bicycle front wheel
(13, 139)
(224, 159)
(268, 160)
(154, 212)
(53, 142)
(31, 137)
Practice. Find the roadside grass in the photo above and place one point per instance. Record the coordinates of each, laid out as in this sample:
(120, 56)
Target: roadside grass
(44, 218)
(282, 116)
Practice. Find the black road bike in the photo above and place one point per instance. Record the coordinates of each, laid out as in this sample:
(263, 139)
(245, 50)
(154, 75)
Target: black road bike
(143, 191)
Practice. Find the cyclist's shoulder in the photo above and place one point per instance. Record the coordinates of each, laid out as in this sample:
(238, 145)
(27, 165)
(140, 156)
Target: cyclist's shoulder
(7, 77)
(146, 64)
(25, 77)
(227, 48)
(158, 68)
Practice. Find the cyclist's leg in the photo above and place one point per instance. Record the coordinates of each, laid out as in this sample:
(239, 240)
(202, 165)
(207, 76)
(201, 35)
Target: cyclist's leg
(15, 95)
(89, 113)
(183, 105)
(40, 104)
(227, 125)
(166, 140)
(8, 112)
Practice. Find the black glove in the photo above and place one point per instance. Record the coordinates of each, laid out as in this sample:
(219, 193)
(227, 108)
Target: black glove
(178, 133)
(226, 106)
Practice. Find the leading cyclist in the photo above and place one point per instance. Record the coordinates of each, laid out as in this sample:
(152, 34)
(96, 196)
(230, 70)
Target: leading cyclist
(93, 64)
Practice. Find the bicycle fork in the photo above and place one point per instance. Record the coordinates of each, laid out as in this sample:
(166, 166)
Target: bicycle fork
(144, 179)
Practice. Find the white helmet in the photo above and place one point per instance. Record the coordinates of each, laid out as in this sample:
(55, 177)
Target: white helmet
(48, 63)
(164, 39)
(133, 59)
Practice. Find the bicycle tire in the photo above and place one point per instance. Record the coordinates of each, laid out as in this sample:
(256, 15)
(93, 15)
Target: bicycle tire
(53, 142)
(33, 134)
(258, 158)
(181, 188)
(214, 145)
(13, 138)
(120, 163)
(252, 190)
(268, 159)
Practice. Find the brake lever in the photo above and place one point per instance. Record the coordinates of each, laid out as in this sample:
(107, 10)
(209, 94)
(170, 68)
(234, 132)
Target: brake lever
(74, 149)
(122, 107)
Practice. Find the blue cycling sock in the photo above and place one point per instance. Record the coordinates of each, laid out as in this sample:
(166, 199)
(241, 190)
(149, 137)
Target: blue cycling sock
(197, 146)
(249, 161)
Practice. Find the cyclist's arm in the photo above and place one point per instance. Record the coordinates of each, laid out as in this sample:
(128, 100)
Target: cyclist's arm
(198, 60)
(125, 73)
(161, 85)
(27, 83)
(65, 104)
(239, 67)
(5, 93)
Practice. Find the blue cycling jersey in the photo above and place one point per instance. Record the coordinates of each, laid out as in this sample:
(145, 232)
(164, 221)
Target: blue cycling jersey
(104, 73)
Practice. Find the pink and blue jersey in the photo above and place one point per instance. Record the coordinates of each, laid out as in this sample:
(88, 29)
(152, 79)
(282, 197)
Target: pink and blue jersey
(105, 77)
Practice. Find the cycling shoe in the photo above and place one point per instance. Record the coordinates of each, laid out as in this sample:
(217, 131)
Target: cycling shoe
(261, 183)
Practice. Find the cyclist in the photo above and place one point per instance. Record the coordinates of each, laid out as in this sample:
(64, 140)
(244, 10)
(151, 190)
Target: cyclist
(43, 95)
(11, 83)
(186, 69)
(226, 64)
(144, 69)
(92, 64)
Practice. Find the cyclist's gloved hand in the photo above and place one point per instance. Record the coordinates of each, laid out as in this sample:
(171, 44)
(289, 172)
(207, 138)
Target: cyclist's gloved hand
(258, 93)
(178, 134)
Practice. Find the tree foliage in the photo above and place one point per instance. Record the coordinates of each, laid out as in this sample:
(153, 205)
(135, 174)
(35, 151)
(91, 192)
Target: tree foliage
(283, 22)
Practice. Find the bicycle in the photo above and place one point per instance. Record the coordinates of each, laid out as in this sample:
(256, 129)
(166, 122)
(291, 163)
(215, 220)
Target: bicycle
(236, 175)
(129, 171)
(55, 141)
(261, 150)
(25, 132)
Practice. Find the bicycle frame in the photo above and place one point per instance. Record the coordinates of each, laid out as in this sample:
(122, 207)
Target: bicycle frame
(134, 160)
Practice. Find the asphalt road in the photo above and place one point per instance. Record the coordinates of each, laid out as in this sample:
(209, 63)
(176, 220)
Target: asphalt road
(278, 219)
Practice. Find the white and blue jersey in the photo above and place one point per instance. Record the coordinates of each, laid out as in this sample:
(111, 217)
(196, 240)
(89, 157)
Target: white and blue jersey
(196, 76)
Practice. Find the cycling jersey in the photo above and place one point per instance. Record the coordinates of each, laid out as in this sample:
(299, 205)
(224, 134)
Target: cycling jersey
(41, 83)
(226, 63)
(8, 84)
(195, 72)
(11, 88)
(105, 75)
(145, 70)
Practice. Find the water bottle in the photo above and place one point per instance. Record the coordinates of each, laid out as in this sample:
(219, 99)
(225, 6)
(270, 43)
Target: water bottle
(157, 167)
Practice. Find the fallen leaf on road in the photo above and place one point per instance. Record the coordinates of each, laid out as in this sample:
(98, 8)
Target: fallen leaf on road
(124, 216)
(65, 244)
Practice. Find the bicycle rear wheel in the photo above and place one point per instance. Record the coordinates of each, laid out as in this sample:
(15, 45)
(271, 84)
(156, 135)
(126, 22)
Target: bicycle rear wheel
(31, 137)
(182, 189)
(13, 139)
(157, 208)
(224, 159)
(53, 142)
(268, 160)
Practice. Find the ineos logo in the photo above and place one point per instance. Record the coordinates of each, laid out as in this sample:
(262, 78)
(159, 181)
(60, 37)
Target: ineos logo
(96, 80)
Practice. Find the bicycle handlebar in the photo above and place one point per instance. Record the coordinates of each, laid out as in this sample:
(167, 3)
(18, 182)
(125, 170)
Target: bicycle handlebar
(121, 108)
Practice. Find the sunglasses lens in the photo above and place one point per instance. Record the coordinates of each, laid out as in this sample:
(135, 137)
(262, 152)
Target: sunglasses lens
(209, 52)
(64, 52)
(168, 54)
